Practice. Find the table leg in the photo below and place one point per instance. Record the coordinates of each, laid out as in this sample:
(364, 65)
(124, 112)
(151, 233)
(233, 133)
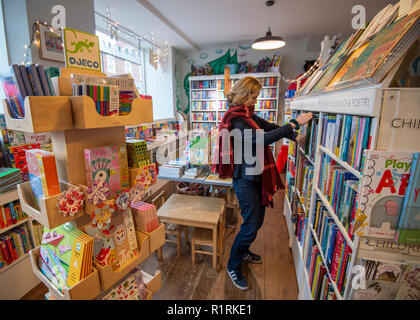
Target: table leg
(159, 254)
(215, 247)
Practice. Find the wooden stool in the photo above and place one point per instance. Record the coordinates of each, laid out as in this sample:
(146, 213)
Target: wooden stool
(170, 228)
(204, 237)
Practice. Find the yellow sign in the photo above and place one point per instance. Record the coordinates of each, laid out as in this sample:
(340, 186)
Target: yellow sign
(81, 50)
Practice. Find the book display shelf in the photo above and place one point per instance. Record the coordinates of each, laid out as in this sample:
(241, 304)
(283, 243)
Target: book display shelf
(328, 179)
(209, 104)
(75, 124)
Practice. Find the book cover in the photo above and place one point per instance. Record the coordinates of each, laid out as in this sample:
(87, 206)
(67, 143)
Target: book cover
(27, 82)
(19, 80)
(12, 92)
(107, 167)
(43, 174)
(34, 78)
(384, 183)
(408, 229)
(43, 79)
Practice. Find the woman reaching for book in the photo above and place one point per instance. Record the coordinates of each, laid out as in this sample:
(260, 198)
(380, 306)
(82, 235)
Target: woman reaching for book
(254, 173)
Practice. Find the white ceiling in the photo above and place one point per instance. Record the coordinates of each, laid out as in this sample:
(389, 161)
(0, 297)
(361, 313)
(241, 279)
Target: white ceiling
(211, 22)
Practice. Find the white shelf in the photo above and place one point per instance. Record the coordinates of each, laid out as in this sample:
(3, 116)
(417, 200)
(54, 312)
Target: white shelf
(337, 293)
(14, 225)
(8, 197)
(335, 218)
(342, 163)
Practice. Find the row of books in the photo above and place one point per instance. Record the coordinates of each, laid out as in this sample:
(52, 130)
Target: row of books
(268, 93)
(202, 126)
(346, 136)
(204, 84)
(20, 81)
(320, 283)
(207, 105)
(299, 218)
(11, 213)
(368, 54)
(201, 95)
(310, 133)
(14, 244)
(266, 104)
(267, 115)
(204, 116)
(9, 179)
(336, 253)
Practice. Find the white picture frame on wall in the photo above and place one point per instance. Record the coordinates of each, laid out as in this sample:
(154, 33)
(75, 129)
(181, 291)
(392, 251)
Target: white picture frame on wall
(50, 43)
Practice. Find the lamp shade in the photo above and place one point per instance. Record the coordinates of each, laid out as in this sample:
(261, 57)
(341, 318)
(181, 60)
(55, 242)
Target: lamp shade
(268, 42)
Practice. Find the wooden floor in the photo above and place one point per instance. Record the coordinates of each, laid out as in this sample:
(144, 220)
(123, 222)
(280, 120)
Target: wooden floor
(274, 279)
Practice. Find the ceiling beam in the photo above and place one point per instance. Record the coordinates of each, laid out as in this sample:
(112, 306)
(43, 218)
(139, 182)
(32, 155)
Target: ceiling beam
(162, 18)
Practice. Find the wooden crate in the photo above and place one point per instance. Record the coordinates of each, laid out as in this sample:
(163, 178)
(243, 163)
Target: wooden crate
(109, 277)
(42, 114)
(85, 115)
(87, 289)
(47, 212)
(156, 237)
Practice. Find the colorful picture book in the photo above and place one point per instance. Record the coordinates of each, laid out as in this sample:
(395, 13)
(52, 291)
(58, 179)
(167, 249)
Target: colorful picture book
(384, 184)
(19, 157)
(115, 241)
(65, 255)
(107, 167)
(43, 174)
(408, 230)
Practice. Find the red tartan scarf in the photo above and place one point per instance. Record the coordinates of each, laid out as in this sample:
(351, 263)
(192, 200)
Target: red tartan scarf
(271, 181)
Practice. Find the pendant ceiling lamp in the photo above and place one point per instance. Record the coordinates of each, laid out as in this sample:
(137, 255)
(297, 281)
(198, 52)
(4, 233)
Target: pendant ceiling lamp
(268, 42)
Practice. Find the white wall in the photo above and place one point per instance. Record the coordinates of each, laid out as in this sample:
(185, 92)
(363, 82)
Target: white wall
(161, 88)
(294, 55)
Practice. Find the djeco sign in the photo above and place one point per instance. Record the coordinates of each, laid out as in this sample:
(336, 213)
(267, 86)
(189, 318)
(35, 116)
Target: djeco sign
(81, 50)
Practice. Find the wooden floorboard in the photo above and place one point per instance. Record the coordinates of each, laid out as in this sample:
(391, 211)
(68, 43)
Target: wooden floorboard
(274, 279)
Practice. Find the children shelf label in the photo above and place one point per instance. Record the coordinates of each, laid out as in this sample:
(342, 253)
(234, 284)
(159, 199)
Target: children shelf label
(81, 50)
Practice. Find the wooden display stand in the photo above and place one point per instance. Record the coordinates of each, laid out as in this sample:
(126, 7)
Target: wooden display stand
(74, 125)
(156, 237)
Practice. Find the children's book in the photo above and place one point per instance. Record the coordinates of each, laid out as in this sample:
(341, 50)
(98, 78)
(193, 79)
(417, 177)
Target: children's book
(43, 78)
(408, 230)
(107, 167)
(384, 183)
(34, 78)
(26, 80)
(12, 92)
(43, 174)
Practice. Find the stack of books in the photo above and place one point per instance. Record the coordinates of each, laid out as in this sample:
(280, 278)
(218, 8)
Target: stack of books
(9, 178)
(192, 173)
(144, 216)
(174, 169)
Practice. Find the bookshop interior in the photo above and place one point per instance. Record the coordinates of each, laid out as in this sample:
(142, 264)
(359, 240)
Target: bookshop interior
(126, 111)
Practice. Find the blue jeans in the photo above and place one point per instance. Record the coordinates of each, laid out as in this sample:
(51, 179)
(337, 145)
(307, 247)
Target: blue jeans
(249, 198)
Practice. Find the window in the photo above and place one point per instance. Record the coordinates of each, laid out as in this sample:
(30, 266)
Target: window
(119, 57)
(4, 61)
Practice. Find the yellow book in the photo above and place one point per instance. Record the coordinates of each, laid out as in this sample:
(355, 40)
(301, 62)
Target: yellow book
(316, 274)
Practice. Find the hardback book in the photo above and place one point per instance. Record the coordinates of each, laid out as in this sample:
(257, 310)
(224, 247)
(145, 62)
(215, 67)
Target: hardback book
(43, 78)
(12, 92)
(65, 255)
(408, 230)
(27, 82)
(384, 49)
(384, 184)
(43, 174)
(107, 167)
(19, 80)
(34, 78)
(50, 73)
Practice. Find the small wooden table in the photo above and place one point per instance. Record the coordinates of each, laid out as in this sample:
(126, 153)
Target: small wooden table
(194, 211)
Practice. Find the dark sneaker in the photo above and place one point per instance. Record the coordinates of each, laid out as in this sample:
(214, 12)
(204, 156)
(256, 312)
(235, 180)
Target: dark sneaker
(252, 257)
(237, 279)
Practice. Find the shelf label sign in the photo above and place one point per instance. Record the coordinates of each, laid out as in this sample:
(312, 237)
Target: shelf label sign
(81, 50)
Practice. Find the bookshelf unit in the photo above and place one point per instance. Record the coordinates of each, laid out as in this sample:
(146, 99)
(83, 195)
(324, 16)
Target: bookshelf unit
(362, 101)
(17, 276)
(208, 102)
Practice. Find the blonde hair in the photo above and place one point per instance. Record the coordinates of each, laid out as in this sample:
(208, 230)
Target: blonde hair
(242, 90)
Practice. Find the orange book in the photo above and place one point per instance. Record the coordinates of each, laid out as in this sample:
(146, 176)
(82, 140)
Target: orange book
(42, 173)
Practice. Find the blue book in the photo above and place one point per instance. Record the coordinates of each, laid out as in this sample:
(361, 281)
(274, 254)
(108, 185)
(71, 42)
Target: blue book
(408, 230)
(12, 92)
(26, 80)
(43, 78)
(330, 252)
(34, 78)
(19, 80)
